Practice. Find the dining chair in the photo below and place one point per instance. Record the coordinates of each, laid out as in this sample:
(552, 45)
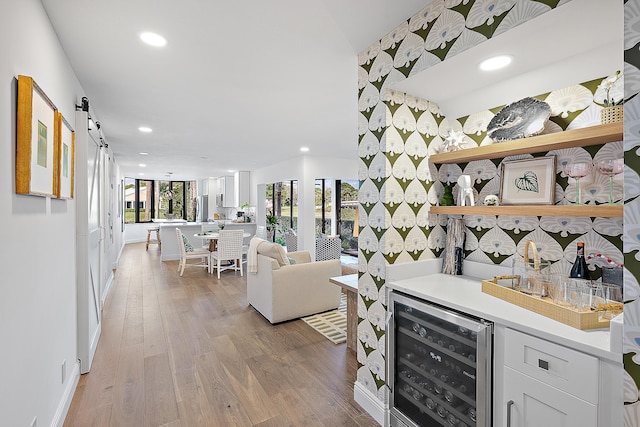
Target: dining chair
(187, 252)
(261, 232)
(229, 248)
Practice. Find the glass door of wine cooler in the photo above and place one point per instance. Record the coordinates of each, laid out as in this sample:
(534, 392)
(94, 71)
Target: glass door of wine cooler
(439, 365)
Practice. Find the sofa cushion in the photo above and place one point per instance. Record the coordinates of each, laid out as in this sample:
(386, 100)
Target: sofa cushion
(275, 251)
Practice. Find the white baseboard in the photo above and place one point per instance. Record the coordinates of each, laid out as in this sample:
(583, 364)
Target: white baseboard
(369, 402)
(67, 397)
(107, 288)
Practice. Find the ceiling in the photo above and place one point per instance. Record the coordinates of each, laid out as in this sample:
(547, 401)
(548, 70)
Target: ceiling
(239, 85)
(243, 85)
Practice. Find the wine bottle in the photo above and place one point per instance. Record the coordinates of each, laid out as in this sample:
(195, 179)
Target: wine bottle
(579, 269)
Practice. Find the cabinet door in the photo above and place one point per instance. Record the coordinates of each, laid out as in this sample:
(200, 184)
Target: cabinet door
(536, 404)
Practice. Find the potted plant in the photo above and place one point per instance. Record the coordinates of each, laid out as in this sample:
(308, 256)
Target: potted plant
(272, 225)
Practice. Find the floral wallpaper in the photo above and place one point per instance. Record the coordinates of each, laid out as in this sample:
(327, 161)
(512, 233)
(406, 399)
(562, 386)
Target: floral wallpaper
(397, 134)
(631, 239)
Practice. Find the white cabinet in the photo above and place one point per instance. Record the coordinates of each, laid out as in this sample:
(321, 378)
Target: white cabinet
(225, 194)
(242, 187)
(546, 384)
(532, 403)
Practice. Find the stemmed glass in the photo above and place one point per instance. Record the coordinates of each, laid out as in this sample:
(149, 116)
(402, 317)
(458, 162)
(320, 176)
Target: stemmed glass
(577, 171)
(610, 168)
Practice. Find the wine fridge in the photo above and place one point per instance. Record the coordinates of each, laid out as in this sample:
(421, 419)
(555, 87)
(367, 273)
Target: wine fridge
(439, 365)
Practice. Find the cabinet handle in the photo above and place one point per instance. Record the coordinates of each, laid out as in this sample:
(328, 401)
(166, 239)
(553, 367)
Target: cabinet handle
(543, 364)
(509, 405)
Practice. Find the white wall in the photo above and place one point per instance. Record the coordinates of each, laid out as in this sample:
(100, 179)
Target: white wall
(38, 285)
(304, 169)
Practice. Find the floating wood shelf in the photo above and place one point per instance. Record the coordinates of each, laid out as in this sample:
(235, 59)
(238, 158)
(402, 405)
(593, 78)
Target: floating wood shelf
(600, 211)
(593, 135)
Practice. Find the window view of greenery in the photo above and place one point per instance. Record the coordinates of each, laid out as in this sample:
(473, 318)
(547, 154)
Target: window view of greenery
(282, 203)
(146, 199)
(348, 212)
(323, 206)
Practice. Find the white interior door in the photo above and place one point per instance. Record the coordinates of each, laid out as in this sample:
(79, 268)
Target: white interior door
(89, 237)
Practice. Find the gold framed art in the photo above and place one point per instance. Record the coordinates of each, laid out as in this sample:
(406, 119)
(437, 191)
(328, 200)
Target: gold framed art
(35, 140)
(65, 159)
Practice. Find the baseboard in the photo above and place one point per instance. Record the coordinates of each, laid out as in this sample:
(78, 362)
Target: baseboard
(107, 288)
(369, 402)
(67, 397)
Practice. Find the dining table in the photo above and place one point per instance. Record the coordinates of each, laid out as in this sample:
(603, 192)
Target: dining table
(212, 237)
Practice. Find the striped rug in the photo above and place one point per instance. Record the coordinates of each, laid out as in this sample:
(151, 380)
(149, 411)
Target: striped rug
(332, 324)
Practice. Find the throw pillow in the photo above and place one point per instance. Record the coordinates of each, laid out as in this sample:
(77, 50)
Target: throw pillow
(187, 245)
(275, 251)
(291, 261)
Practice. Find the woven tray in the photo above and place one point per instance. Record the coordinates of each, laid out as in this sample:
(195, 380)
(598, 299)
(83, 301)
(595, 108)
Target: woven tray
(546, 307)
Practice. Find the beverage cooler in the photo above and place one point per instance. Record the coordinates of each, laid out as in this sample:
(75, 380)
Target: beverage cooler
(439, 365)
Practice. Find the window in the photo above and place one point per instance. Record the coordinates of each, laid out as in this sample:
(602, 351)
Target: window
(323, 206)
(282, 202)
(347, 211)
(147, 199)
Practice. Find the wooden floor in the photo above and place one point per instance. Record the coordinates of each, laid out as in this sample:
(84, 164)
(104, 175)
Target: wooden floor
(188, 351)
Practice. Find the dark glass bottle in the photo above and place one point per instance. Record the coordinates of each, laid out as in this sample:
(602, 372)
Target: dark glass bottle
(579, 269)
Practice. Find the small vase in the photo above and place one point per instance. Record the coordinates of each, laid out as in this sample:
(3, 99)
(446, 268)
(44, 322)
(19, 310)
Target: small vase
(612, 114)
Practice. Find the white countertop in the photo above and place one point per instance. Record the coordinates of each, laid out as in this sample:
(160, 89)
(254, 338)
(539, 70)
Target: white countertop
(464, 294)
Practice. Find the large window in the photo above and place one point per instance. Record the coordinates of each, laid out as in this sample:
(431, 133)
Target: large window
(324, 189)
(347, 212)
(146, 200)
(282, 202)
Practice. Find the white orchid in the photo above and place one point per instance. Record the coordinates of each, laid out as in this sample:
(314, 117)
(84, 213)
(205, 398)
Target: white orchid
(612, 83)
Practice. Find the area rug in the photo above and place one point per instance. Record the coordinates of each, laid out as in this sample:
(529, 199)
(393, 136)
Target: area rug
(331, 324)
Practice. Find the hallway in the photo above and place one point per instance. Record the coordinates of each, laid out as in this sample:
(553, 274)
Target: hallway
(188, 351)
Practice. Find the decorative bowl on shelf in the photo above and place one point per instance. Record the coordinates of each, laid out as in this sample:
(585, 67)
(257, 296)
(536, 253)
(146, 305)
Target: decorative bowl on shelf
(519, 120)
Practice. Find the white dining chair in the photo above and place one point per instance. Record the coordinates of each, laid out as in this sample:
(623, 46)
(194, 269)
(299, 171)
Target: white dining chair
(261, 232)
(187, 252)
(229, 248)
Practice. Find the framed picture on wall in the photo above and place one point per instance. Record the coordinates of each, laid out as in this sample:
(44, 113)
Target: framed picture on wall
(528, 182)
(65, 159)
(35, 140)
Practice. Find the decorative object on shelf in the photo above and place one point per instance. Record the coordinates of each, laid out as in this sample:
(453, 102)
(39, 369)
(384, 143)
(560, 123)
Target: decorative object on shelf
(36, 132)
(465, 191)
(453, 141)
(610, 168)
(454, 247)
(519, 120)
(447, 196)
(529, 181)
(613, 110)
(491, 200)
(577, 171)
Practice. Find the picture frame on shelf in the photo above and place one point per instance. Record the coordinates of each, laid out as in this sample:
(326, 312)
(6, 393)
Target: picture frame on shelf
(35, 140)
(528, 181)
(65, 159)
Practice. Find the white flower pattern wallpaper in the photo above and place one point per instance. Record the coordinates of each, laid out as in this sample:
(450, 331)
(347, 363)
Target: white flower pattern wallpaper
(397, 134)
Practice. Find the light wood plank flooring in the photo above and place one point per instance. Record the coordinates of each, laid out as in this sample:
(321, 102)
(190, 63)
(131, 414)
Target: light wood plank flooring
(188, 351)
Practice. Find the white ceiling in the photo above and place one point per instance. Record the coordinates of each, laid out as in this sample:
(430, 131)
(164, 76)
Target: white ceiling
(242, 85)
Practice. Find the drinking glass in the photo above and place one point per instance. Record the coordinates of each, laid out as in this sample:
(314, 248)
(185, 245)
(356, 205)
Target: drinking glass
(607, 300)
(577, 171)
(610, 168)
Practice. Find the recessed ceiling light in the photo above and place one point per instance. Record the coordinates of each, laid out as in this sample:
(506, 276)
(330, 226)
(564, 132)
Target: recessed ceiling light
(153, 39)
(304, 149)
(140, 173)
(495, 63)
(144, 129)
(231, 170)
(143, 153)
(142, 165)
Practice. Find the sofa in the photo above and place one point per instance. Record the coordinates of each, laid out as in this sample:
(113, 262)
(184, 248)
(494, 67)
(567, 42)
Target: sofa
(288, 285)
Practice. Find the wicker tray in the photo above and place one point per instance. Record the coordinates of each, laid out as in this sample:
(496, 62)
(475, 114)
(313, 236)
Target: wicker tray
(546, 307)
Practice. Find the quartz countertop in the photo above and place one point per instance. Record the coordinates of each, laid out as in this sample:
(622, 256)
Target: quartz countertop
(464, 293)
